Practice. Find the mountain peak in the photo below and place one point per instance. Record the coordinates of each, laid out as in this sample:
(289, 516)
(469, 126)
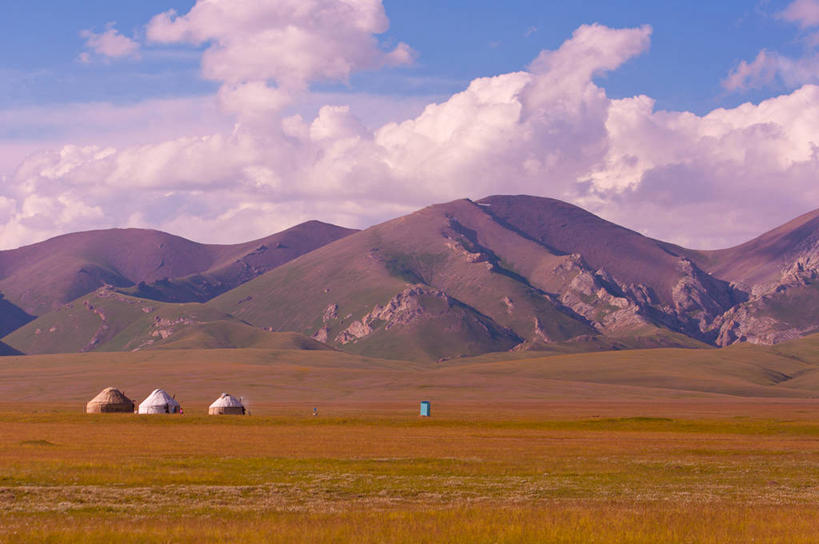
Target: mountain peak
(75, 264)
(452, 279)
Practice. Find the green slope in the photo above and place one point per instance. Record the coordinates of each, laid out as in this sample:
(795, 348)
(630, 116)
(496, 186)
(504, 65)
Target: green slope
(403, 265)
(794, 307)
(39, 278)
(109, 321)
(450, 281)
(233, 334)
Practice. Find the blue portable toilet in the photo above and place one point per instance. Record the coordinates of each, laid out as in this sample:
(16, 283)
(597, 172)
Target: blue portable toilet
(425, 408)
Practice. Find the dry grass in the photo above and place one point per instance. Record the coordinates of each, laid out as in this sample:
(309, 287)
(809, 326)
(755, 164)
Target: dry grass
(376, 474)
(565, 523)
(264, 376)
(675, 453)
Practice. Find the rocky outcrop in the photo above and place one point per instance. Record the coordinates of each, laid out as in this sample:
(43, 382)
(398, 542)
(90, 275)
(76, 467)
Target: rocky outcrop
(330, 314)
(613, 307)
(417, 304)
(540, 334)
(463, 243)
(596, 296)
(803, 271)
(163, 328)
(407, 306)
(458, 248)
(322, 335)
(699, 299)
(100, 333)
(702, 306)
(763, 318)
(744, 324)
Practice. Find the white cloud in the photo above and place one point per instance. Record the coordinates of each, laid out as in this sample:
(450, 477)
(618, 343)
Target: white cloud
(803, 12)
(288, 43)
(550, 130)
(109, 44)
(252, 100)
(28, 130)
(768, 68)
(760, 72)
(713, 180)
(772, 68)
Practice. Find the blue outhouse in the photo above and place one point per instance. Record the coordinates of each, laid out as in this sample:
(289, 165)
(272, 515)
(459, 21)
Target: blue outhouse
(425, 408)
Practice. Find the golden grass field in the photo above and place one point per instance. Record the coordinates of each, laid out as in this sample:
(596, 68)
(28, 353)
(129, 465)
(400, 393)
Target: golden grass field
(563, 448)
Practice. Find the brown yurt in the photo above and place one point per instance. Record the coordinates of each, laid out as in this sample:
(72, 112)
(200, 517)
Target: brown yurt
(110, 399)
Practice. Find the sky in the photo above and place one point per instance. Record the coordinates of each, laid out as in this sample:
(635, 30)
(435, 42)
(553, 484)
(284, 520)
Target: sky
(228, 120)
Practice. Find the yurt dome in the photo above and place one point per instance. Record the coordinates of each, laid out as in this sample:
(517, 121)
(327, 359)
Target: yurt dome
(159, 402)
(227, 405)
(108, 400)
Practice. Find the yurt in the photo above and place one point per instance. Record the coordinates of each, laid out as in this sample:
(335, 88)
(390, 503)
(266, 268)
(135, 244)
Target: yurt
(109, 400)
(227, 405)
(159, 402)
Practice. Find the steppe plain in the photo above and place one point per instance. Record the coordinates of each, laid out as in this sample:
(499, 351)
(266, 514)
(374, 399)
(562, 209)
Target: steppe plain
(662, 445)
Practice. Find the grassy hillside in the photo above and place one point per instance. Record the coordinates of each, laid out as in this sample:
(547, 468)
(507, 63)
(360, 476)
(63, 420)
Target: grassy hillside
(623, 253)
(109, 321)
(514, 271)
(796, 307)
(341, 283)
(233, 334)
(41, 277)
(762, 259)
(242, 263)
(306, 376)
(449, 281)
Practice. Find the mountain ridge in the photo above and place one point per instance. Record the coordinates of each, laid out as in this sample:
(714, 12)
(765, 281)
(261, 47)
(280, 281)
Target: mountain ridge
(510, 272)
(143, 261)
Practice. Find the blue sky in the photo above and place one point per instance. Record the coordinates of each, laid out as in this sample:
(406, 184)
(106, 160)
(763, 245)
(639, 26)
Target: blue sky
(230, 119)
(694, 45)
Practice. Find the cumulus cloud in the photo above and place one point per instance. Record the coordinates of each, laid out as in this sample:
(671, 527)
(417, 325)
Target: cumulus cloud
(109, 44)
(549, 130)
(286, 43)
(713, 180)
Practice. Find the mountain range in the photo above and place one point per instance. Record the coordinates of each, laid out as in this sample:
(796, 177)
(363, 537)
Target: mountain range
(456, 279)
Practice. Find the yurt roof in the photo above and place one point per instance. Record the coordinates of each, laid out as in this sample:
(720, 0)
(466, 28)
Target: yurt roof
(225, 401)
(159, 398)
(110, 395)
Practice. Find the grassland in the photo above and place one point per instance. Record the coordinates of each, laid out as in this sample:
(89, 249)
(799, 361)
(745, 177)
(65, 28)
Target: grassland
(789, 370)
(647, 446)
(379, 474)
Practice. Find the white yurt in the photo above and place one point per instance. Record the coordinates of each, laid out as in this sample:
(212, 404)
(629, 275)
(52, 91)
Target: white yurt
(227, 405)
(109, 400)
(159, 402)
